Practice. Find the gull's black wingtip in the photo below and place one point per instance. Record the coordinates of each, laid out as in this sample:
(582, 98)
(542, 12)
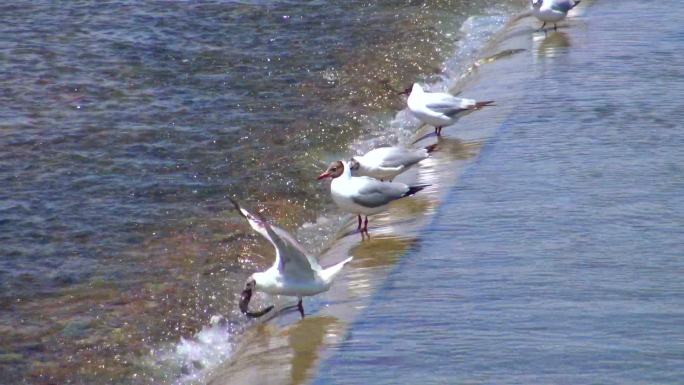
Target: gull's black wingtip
(431, 148)
(414, 189)
(479, 105)
(236, 205)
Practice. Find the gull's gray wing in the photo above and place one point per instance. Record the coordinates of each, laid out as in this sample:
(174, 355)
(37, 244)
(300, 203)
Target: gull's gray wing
(294, 252)
(291, 258)
(447, 104)
(446, 109)
(562, 5)
(374, 193)
(403, 157)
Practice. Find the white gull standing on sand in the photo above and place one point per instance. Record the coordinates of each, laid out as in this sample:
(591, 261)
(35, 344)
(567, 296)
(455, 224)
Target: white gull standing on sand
(294, 273)
(361, 194)
(439, 109)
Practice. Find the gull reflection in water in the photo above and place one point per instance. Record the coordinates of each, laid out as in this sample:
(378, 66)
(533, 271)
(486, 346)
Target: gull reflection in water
(551, 44)
(274, 354)
(306, 339)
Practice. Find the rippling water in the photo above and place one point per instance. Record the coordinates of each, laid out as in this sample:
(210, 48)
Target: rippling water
(557, 258)
(123, 127)
(554, 256)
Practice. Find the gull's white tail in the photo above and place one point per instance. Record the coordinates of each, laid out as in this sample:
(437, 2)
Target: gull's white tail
(328, 274)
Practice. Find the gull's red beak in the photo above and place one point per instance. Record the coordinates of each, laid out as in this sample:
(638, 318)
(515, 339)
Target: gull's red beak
(324, 175)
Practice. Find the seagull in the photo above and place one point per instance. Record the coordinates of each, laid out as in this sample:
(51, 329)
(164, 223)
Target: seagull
(361, 194)
(388, 162)
(552, 11)
(439, 109)
(294, 273)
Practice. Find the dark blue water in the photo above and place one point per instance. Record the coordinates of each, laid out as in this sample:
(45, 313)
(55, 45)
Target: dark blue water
(558, 257)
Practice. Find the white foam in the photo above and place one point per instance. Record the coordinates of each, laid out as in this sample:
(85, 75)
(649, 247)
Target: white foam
(195, 356)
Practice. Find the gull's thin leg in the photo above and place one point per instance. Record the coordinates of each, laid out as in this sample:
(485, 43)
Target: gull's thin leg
(359, 227)
(438, 130)
(300, 307)
(365, 225)
(555, 27)
(542, 27)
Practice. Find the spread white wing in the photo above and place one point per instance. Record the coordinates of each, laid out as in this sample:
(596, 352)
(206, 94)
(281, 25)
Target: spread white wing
(291, 258)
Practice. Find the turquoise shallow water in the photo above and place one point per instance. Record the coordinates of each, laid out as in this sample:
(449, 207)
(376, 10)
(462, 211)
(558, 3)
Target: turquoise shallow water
(557, 257)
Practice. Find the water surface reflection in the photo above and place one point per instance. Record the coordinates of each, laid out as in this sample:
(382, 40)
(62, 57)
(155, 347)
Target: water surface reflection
(271, 354)
(551, 44)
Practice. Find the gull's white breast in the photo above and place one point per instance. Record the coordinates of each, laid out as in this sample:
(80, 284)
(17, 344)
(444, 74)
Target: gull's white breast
(547, 14)
(342, 190)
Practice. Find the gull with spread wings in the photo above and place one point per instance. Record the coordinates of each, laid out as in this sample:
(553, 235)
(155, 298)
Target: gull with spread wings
(295, 272)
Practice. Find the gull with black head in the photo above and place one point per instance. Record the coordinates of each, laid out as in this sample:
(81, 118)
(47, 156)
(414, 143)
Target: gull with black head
(439, 109)
(385, 163)
(361, 194)
(552, 11)
(295, 272)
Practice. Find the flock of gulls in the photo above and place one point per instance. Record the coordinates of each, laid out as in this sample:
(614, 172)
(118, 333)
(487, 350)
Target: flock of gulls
(364, 186)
